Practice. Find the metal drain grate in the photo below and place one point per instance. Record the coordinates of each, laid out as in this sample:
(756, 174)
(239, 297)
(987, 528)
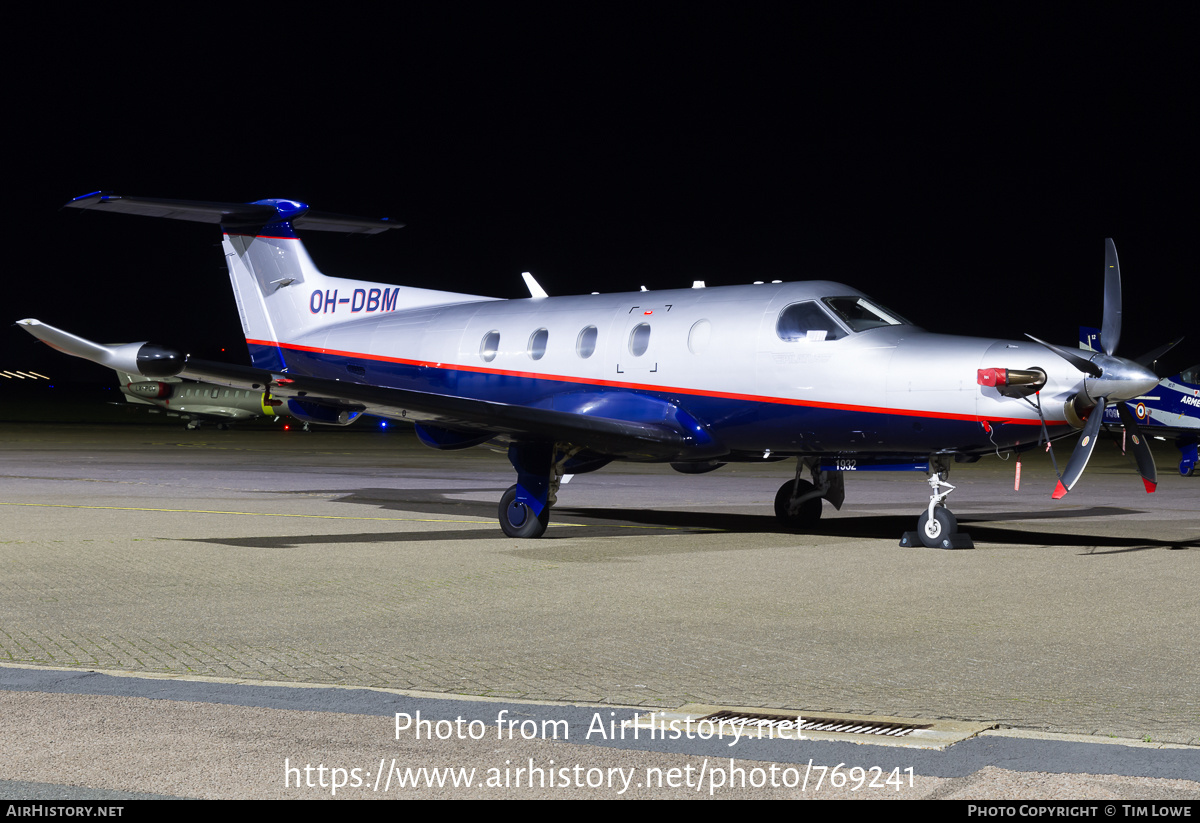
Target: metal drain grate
(812, 724)
(704, 720)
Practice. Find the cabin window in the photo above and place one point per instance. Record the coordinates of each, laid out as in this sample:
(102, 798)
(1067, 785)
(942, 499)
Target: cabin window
(489, 346)
(699, 336)
(806, 321)
(639, 339)
(585, 344)
(537, 344)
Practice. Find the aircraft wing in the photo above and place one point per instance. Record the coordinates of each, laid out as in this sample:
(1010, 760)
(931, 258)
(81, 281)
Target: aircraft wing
(617, 438)
(673, 434)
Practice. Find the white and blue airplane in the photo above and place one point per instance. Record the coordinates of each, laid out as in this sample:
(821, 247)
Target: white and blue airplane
(1172, 408)
(697, 378)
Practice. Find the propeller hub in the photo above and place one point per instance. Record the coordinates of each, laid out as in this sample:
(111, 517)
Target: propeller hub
(1119, 379)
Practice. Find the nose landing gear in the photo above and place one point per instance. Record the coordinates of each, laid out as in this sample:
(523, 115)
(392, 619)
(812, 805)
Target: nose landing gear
(937, 527)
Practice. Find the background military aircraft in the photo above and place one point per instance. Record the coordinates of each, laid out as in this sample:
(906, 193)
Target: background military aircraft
(1172, 408)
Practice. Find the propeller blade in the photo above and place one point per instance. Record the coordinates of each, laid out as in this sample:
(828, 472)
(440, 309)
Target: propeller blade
(1083, 451)
(1149, 358)
(1141, 449)
(1110, 327)
(1081, 363)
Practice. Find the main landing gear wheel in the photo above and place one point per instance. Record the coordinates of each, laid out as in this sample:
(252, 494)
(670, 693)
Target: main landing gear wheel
(936, 529)
(518, 520)
(806, 513)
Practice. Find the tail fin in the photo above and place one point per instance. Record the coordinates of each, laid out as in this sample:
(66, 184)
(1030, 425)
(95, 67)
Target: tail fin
(282, 297)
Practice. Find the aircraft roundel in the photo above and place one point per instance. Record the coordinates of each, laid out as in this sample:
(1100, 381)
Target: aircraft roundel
(1085, 441)
(1141, 411)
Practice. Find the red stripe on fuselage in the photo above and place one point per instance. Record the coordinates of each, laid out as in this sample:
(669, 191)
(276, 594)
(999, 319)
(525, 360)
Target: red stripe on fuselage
(590, 381)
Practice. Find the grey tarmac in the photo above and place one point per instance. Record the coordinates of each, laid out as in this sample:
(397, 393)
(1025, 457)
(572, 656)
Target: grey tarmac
(358, 558)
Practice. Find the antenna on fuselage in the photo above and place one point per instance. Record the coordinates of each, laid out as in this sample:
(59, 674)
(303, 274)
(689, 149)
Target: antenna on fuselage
(535, 289)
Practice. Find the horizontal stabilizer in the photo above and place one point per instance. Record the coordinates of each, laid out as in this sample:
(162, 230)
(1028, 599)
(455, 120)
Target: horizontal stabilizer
(260, 213)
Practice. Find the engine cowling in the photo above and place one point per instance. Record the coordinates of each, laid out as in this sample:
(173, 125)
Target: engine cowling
(151, 390)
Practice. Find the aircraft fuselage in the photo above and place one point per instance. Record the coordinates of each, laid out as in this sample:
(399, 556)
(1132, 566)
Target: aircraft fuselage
(717, 352)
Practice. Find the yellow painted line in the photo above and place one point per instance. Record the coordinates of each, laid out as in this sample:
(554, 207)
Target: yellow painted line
(340, 517)
(252, 514)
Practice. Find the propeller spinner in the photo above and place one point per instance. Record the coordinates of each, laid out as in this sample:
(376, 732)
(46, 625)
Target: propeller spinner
(1110, 380)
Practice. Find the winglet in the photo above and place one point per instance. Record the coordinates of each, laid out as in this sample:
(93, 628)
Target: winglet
(1060, 492)
(1150, 486)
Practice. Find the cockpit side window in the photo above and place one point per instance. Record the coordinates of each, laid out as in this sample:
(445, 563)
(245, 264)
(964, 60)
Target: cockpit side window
(807, 321)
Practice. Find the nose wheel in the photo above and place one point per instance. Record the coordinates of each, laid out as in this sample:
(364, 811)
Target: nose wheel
(934, 529)
(937, 528)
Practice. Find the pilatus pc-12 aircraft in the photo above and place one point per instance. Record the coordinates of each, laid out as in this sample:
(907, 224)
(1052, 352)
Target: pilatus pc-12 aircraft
(697, 377)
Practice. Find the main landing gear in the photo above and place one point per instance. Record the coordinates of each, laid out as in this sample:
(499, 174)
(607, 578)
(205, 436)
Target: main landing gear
(525, 508)
(798, 501)
(517, 519)
(1188, 456)
(937, 527)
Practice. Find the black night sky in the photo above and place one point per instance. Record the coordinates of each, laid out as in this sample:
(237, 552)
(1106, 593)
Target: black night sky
(961, 167)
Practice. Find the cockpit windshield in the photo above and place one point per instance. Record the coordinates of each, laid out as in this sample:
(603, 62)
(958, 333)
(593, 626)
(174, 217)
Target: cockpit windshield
(860, 314)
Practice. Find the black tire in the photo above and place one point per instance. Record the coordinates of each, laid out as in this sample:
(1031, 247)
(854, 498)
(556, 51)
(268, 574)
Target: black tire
(517, 519)
(934, 531)
(809, 512)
